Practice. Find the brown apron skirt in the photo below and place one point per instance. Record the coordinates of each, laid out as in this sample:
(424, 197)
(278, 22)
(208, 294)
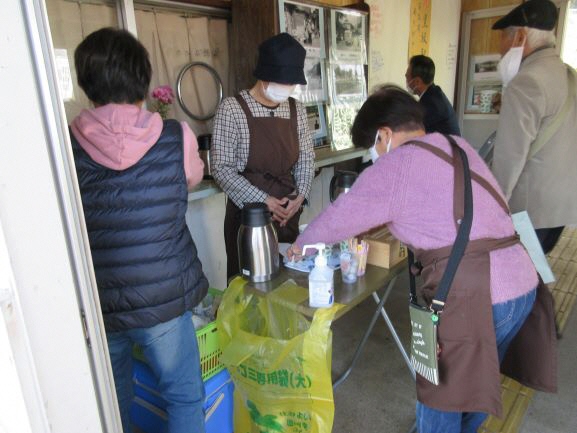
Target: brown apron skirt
(273, 152)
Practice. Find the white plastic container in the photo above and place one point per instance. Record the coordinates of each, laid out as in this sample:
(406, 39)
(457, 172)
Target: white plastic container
(321, 286)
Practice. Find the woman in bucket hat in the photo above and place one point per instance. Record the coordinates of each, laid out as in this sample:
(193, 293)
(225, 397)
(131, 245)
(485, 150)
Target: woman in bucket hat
(262, 149)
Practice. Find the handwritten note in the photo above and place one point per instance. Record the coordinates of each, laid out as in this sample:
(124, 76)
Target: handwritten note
(451, 55)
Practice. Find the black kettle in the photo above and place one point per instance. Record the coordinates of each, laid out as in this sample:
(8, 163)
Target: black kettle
(341, 182)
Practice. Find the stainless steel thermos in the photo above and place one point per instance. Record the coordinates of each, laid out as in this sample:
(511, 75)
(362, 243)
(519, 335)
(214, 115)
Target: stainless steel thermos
(257, 244)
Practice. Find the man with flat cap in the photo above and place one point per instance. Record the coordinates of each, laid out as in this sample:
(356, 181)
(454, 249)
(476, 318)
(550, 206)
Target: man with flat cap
(535, 153)
(262, 150)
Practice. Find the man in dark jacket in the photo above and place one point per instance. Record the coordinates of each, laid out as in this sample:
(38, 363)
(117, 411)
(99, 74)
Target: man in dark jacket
(133, 172)
(439, 113)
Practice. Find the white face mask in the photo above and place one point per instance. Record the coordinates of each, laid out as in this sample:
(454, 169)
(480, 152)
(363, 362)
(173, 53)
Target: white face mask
(373, 149)
(409, 88)
(374, 154)
(510, 63)
(278, 93)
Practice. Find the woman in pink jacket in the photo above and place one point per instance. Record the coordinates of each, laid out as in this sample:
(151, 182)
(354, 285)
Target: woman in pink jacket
(409, 188)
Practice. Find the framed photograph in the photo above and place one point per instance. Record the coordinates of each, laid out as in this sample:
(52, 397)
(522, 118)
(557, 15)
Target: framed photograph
(305, 23)
(484, 98)
(348, 30)
(341, 119)
(317, 122)
(315, 89)
(348, 83)
(485, 67)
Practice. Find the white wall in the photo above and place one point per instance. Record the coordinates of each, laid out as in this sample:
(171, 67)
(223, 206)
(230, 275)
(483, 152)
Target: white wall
(205, 220)
(445, 17)
(389, 41)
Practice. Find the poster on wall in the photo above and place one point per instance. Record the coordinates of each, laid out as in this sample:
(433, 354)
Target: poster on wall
(341, 120)
(348, 30)
(484, 98)
(485, 67)
(306, 24)
(420, 30)
(315, 89)
(348, 83)
(317, 123)
(64, 75)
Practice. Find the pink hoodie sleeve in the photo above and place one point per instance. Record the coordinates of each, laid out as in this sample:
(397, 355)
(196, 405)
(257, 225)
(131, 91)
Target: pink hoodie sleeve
(193, 165)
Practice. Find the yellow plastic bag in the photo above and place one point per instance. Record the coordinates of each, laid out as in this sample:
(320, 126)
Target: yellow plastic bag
(279, 360)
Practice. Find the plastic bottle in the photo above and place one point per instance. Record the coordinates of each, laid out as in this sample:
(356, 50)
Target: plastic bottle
(321, 286)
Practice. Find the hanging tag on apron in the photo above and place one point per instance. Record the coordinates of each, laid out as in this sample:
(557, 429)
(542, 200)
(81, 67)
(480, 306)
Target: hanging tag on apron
(424, 342)
(526, 231)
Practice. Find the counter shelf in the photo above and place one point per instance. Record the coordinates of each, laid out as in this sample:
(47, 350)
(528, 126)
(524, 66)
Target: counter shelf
(323, 158)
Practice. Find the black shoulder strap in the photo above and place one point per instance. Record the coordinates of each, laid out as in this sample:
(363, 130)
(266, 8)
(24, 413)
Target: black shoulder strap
(461, 240)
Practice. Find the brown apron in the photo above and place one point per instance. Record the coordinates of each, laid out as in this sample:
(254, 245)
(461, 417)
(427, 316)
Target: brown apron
(273, 152)
(468, 363)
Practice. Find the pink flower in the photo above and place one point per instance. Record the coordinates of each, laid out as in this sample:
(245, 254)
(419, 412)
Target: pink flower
(163, 94)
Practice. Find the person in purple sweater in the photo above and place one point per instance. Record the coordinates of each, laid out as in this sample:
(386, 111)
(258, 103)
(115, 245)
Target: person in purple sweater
(410, 189)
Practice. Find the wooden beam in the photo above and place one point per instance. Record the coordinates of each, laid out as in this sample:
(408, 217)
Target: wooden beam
(222, 4)
(253, 21)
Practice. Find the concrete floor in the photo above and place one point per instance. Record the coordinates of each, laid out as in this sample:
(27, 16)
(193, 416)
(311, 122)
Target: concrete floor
(557, 413)
(379, 395)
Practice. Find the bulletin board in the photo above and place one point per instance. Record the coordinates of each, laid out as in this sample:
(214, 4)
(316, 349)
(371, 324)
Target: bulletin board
(420, 29)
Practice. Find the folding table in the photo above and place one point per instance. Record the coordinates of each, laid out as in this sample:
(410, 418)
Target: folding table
(348, 296)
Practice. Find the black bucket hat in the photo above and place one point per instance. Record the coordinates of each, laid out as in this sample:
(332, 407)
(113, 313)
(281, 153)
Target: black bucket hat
(281, 59)
(537, 14)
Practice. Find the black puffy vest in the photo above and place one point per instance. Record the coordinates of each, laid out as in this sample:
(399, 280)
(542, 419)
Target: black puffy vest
(145, 260)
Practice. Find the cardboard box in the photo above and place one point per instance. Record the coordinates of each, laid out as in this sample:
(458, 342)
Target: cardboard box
(384, 249)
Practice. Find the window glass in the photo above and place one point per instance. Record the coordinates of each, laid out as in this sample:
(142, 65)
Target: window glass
(70, 22)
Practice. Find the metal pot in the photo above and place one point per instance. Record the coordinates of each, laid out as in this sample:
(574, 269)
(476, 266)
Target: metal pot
(204, 143)
(341, 182)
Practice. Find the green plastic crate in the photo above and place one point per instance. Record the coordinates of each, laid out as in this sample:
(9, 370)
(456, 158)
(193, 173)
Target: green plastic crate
(208, 347)
(209, 350)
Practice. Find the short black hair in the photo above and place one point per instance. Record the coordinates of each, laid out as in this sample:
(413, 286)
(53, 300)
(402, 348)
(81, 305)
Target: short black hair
(422, 67)
(112, 66)
(388, 106)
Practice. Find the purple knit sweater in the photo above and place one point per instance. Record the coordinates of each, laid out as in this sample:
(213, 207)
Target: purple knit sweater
(411, 190)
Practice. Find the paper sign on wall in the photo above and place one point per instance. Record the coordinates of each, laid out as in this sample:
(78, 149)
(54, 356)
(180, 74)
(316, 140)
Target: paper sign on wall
(63, 74)
(419, 36)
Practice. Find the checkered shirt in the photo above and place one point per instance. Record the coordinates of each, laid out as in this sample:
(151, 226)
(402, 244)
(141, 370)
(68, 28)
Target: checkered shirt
(230, 147)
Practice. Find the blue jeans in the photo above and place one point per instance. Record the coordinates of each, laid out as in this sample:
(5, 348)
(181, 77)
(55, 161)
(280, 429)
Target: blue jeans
(172, 352)
(507, 319)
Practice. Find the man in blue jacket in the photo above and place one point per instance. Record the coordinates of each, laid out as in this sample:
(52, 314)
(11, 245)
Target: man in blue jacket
(439, 113)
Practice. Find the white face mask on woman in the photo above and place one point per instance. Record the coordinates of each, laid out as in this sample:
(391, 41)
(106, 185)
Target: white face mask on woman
(278, 93)
(510, 63)
(373, 149)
